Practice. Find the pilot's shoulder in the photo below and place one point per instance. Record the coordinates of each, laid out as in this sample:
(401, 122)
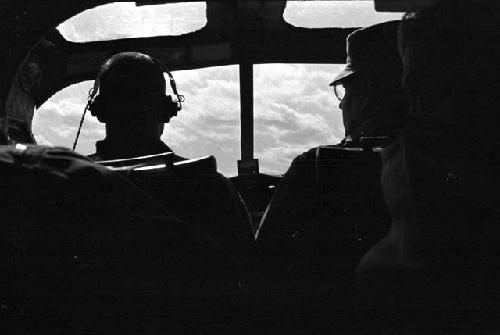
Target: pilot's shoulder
(305, 158)
(303, 165)
(39, 157)
(311, 156)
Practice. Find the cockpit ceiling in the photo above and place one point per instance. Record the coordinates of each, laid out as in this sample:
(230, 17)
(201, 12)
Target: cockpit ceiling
(120, 20)
(238, 31)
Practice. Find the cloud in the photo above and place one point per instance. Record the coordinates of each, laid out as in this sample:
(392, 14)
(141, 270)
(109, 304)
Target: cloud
(278, 159)
(56, 122)
(43, 141)
(295, 108)
(294, 111)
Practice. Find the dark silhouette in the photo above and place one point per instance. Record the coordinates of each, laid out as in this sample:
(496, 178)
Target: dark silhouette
(328, 210)
(133, 105)
(83, 250)
(437, 269)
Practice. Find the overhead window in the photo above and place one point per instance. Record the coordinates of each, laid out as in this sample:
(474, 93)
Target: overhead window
(327, 14)
(126, 20)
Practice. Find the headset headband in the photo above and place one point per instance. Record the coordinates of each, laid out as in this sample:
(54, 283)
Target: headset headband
(173, 85)
(95, 90)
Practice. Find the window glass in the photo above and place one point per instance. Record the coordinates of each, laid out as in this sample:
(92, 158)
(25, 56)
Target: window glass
(125, 20)
(344, 14)
(208, 124)
(295, 110)
(56, 122)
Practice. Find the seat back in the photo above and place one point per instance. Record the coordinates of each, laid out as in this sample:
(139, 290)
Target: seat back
(324, 214)
(84, 250)
(135, 162)
(196, 193)
(349, 216)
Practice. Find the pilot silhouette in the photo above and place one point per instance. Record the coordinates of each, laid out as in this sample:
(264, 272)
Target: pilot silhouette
(320, 206)
(133, 105)
(72, 229)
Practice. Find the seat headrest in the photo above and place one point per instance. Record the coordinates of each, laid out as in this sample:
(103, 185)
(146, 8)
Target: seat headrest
(149, 166)
(135, 162)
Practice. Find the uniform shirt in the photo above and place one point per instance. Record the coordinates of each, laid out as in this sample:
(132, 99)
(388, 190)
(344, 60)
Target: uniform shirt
(324, 213)
(109, 149)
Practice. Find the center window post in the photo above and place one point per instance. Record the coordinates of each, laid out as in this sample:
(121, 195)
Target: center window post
(247, 165)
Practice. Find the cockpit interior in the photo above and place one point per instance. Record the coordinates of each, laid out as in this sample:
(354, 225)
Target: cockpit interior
(174, 242)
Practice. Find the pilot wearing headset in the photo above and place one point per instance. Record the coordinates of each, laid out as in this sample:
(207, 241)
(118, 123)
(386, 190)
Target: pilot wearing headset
(131, 101)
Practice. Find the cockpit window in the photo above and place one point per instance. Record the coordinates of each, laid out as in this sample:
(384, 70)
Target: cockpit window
(208, 124)
(126, 20)
(328, 14)
(295, 110)
(55, 123)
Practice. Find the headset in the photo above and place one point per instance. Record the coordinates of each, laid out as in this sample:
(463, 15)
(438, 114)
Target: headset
(96, 103)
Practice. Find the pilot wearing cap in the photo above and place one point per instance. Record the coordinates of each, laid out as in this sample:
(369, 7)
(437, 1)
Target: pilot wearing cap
(322, 199)
(369, 88)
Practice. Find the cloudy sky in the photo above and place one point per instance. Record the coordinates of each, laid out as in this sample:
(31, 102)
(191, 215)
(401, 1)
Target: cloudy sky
(295, 109)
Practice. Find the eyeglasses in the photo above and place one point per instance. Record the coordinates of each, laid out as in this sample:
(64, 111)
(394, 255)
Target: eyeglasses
(339, 90)
(351, 81)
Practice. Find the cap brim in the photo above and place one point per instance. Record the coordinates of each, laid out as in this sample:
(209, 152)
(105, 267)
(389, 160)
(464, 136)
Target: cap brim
(345, 73)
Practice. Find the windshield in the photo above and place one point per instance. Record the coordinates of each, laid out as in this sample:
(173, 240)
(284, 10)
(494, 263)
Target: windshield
(294, 110)
(294, 106)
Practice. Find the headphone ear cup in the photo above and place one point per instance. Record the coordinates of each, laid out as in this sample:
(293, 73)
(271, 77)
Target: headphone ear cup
(97, 109)
(168, 109)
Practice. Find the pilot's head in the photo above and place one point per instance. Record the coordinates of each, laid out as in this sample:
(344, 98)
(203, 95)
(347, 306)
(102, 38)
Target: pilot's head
(369, 88)
(132, 95)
